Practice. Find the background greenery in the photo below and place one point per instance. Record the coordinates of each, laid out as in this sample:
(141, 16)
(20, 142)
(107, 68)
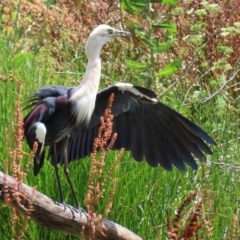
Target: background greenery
(186, 51)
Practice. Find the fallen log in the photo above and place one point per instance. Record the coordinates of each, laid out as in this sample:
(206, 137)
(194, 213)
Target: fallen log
(57, 216)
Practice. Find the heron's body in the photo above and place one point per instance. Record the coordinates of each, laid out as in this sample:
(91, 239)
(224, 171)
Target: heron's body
(67, 119)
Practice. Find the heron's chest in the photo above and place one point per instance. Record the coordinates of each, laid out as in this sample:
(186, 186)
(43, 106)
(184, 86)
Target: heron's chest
(84, 108)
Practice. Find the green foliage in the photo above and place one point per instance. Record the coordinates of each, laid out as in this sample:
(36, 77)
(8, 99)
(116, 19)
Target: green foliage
(135, 65)
(170, 69)
(148, 35)
(140, 6)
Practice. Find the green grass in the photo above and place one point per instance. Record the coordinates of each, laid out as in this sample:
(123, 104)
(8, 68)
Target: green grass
(145, 197)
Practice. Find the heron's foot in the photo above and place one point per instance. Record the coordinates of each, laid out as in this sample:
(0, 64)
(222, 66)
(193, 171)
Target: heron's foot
(77, 210)
(83, 212)
(64, 205)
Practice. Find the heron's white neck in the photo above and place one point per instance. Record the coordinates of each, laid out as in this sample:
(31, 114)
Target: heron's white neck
(90, 81)
(92, 75)
(84, 96)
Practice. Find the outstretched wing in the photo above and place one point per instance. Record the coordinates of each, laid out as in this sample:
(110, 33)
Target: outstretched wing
(146, 127)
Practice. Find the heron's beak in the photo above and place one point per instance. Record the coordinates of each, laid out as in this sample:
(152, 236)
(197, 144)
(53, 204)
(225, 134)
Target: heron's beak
(122, 33)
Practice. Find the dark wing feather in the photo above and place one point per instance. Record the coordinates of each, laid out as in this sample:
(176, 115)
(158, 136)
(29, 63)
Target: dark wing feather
(45, 92)
(49, 105)
(50, 91)
(35, 115)
(146, 127)
(44, 104)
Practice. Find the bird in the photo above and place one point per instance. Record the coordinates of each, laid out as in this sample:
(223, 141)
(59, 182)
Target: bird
(56, 110)
(66, 120)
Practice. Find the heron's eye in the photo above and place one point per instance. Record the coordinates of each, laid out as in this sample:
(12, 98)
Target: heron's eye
(110, 31)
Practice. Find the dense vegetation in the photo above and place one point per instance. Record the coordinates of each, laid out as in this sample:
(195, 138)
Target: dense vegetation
(186, 51)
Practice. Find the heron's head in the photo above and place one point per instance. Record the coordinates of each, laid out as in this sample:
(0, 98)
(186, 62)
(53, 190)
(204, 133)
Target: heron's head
(101, 35)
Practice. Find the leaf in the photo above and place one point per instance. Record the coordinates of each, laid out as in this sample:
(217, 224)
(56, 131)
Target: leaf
(133, 7)
(225, 49)
(171, 2)
(170, 68)
(161, 47)
(201, 12)
(135, 65)
(170, 26)
(156, 1)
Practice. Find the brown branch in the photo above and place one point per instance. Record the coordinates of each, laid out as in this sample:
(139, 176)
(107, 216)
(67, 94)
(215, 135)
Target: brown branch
(57, 216)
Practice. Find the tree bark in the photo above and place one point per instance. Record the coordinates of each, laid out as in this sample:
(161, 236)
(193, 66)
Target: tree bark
(57, 216)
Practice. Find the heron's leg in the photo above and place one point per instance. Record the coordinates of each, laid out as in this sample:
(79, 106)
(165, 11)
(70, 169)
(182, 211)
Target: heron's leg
(55, 164)
(66, 171)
